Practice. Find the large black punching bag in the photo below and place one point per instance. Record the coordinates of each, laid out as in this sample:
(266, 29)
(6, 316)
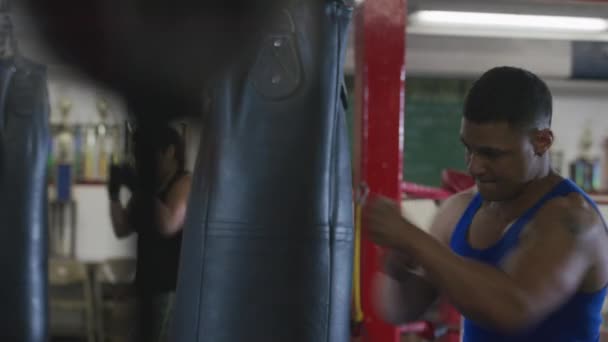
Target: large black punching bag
(267, 247)
(24, 137)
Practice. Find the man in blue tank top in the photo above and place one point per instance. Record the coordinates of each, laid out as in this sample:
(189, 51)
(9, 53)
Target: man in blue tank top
(524, 256)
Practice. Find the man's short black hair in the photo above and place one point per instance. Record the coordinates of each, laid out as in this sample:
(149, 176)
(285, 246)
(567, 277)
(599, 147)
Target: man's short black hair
(512, 95)
(158, 139)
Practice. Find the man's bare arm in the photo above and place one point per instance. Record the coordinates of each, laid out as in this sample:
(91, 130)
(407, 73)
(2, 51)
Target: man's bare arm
(542, 273)
(403, 295)
(172, 214)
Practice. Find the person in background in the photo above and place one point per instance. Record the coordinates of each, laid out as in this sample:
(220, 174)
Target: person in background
(156, 212)
(524, 255)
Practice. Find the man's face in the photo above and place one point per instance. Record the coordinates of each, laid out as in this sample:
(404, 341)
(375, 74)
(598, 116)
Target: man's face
(499, 157)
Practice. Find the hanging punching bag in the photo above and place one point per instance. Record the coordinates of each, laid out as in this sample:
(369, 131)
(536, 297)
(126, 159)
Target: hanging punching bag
(24, 136)
(267, 246)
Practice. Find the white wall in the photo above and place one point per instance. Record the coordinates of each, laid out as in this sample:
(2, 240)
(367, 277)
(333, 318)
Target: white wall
(95, 240)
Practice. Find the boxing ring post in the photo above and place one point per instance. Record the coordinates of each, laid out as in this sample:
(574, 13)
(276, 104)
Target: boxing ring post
(380, 27)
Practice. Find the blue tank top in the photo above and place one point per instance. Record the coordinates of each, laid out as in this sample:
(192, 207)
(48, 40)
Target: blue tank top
(579, 319)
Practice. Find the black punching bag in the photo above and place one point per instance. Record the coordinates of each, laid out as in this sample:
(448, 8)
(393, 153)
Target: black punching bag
(24, 137)
(267, 247)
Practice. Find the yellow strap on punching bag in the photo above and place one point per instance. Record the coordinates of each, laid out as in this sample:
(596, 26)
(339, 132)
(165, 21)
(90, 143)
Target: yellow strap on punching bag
(358, 307)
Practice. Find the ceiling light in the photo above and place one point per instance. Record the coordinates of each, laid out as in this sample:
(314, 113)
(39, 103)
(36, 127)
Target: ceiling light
(476, 20)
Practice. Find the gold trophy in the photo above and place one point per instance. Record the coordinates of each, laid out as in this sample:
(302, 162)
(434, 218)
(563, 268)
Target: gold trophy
(103, 140)
(65, 137)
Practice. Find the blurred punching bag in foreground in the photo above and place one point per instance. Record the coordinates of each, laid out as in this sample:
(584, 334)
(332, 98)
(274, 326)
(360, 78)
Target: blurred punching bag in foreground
(267, 247)
(24, 137)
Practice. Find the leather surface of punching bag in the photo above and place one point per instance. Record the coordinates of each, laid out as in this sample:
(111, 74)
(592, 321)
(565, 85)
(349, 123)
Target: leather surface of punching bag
(24, 137)
(267, 247)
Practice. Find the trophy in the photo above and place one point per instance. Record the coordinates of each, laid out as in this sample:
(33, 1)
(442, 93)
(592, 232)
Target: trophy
(585, 170)
(62, 215)
(103, 140)
(65, 137)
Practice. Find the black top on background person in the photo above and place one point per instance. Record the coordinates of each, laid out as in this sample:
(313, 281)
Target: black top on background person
(156, 210)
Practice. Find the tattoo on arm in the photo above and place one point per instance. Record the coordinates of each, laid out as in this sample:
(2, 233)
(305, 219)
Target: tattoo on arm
(572, 223)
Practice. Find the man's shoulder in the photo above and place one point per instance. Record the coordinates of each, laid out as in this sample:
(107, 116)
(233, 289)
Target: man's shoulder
(449, 214)
(457, 204)
(573, 212)
(461, 199)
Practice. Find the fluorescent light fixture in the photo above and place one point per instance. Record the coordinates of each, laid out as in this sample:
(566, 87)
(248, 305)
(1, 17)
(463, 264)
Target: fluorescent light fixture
(480, 20)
